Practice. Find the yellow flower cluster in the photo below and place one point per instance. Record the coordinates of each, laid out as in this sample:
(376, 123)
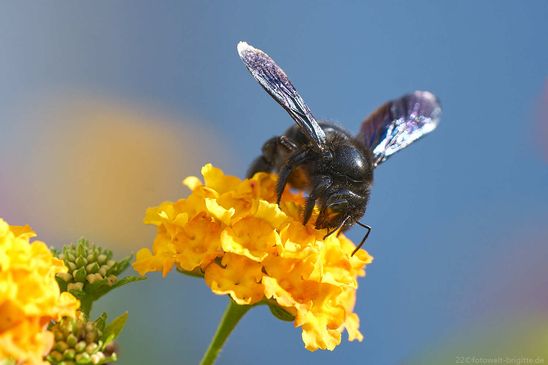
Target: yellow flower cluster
(233, 232)
(29, 296)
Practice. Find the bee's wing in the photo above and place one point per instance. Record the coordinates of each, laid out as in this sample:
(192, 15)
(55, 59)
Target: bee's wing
(398, 123)
(274, 80)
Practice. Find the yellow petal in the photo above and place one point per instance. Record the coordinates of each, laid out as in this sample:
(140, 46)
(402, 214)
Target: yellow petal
(217, 211)
(250, 237)
(238, 276)
(192, 182)
(29, 295)
(251, 248)
(215, 179)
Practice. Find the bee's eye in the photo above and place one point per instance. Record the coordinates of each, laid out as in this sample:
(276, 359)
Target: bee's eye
(349, 161)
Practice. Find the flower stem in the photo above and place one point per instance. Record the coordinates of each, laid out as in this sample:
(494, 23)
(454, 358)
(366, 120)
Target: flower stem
(233, 313)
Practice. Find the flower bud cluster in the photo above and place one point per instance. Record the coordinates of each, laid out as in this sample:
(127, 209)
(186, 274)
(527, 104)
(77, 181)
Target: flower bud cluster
(92, 272)
(87, 264)
(79, 341)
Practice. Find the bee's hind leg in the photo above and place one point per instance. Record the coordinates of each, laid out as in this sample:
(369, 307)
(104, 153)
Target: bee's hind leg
(274, 151)
(260, 164)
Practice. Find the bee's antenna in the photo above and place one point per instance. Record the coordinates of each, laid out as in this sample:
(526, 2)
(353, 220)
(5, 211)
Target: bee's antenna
(363, 239)
(329, 233)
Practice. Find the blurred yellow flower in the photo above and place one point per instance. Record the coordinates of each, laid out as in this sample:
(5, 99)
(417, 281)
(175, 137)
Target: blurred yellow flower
(233, 233)
(29, 295)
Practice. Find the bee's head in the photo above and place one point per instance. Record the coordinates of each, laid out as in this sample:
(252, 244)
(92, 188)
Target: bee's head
(351, 163)
(341, 209)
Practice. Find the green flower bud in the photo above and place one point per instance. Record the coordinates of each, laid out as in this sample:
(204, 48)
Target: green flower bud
(83, 358)
(65, 276)
(112, 279)
(91, 337)
(80, 341)
(69, 354)
(60, 346)
(75, 286)
(92, 271)
(80, 346)
(91, 348)
(102, 258)
(90, 327)
(80, 274)
(80, 261)
(72, 340)
(103, 270)
(92, 268)
(56, 356)
(98, 357)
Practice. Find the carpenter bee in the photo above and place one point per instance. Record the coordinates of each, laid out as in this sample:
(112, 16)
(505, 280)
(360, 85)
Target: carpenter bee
(334, 167)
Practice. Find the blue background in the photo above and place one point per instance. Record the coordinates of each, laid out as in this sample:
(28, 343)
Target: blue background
(460, 238)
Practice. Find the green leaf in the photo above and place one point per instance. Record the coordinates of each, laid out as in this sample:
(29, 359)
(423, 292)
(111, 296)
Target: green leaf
(101, 321)
(123, 264)
(62, 285)
(281, 313)
(127, 280)
(114, 328)
(196, 273)
(97, 289)
(78, 294)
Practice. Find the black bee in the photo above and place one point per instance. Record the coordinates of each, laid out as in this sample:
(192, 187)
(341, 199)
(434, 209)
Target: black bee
(321, 158)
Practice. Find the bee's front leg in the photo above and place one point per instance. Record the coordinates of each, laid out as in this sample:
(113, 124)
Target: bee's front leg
(323, 183)
(297, 158)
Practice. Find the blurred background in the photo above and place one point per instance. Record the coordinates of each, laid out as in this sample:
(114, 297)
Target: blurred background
(106, 106)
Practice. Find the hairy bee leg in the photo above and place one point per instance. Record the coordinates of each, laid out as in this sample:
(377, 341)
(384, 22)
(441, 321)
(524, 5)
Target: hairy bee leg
(308, 208)
(272, 148)
(319, 189)
(277, 146)
(260, 164)
(293, 161)
(363, 239)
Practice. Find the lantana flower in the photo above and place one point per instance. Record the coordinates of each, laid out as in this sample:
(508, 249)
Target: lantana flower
(29, 296)
(232, 232)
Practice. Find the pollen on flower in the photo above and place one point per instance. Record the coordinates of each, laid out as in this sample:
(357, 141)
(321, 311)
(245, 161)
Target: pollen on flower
(29, 295)
(246, 246)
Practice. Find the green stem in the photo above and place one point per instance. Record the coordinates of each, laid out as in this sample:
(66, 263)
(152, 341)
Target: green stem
(233, 313)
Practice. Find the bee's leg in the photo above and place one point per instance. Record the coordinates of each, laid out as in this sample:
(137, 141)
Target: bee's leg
(287, 143)
(323, 184)
(260, 164)
(338, 228)
(294, 160)
(364, 237)
(332, 203)
(273, 149)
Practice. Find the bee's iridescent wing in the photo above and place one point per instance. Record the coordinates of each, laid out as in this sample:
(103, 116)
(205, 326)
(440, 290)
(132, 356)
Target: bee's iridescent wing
(398, 123)
(274, 80)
